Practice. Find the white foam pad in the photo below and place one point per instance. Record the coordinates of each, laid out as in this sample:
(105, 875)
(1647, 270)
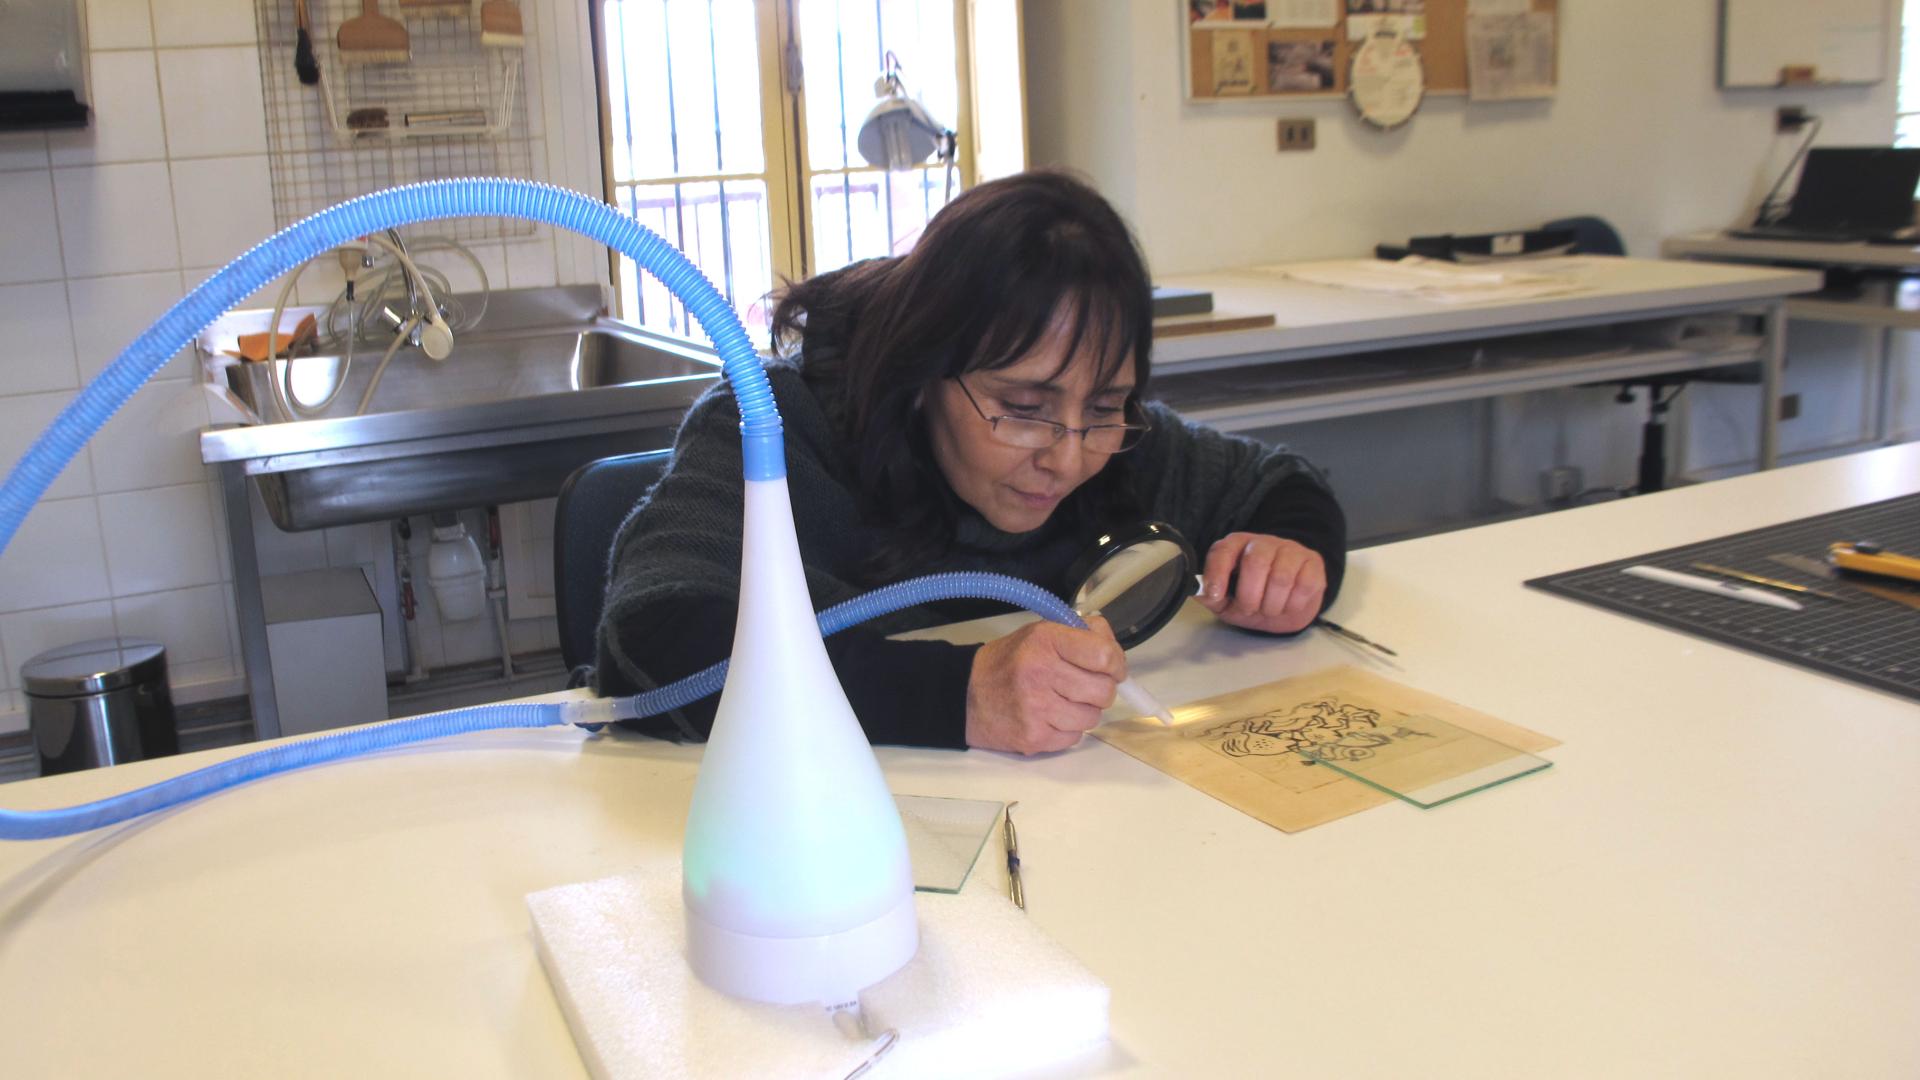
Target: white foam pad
(987, 993)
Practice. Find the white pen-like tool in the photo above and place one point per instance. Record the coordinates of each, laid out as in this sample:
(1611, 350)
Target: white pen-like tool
(1146, 704)
(1136, 695)
(1709, 585)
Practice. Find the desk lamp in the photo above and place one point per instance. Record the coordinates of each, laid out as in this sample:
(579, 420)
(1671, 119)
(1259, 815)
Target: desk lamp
(899, 132)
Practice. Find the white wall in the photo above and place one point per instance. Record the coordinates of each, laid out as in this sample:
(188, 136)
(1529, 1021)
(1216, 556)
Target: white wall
(1637, 134)
(103, 229)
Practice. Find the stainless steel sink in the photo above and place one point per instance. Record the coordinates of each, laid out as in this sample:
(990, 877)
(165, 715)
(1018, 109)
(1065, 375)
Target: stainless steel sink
(545, 384)
(602, 358)
(485, 367)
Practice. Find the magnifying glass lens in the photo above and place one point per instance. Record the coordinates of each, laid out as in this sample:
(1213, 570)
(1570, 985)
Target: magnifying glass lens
(1137, 588)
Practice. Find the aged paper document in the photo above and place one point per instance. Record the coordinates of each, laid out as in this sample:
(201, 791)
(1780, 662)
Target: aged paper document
(1304, 14)
(1255, 749)
(1510, 57)
(1232, 61)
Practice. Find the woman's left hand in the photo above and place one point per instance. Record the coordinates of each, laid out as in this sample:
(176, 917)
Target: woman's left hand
(1263, 582)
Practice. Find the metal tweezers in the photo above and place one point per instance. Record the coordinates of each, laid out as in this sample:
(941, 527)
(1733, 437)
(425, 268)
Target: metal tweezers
(1015, 890)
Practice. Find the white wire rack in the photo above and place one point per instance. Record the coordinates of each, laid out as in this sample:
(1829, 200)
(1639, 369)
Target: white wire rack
(454, 108)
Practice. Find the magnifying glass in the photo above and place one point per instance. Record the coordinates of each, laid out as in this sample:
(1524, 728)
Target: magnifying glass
(1137, 578)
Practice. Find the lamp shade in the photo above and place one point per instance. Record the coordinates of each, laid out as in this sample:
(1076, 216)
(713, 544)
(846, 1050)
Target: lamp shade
(899, 133)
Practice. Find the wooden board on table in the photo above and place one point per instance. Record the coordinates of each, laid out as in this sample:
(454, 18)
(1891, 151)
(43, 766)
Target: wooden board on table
(1213, 322)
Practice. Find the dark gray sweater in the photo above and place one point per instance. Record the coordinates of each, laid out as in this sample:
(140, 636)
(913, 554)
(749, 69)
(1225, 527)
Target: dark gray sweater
(671, 598)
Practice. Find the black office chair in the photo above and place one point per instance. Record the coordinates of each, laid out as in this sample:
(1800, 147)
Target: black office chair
(1595, 236)
(593, 503)
(1591, 235)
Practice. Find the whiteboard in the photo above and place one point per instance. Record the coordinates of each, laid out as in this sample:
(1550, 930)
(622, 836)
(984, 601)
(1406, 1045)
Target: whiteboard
(1843, 41)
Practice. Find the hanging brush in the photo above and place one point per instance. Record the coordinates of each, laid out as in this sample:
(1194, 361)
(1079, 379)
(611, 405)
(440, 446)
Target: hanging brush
(500, 25)
(303, 62)
(372, 38)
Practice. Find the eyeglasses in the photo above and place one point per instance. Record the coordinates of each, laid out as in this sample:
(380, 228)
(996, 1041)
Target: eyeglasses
(1033, 433)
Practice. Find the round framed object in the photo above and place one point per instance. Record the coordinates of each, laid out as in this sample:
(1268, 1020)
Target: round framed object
(1386, 80)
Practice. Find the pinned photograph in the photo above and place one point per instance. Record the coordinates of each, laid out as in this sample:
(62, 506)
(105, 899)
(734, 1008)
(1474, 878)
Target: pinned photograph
(1207, 12)
(1300, 67)
(1407, 18)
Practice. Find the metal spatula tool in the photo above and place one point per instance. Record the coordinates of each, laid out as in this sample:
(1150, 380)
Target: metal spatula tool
(1809, 565)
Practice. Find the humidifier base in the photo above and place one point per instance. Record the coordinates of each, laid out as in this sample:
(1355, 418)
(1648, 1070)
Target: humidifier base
(827, 969)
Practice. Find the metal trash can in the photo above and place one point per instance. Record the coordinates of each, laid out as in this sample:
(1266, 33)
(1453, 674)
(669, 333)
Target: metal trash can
(99, 703)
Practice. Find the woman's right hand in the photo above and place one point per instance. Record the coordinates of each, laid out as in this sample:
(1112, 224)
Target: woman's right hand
(1043, 686)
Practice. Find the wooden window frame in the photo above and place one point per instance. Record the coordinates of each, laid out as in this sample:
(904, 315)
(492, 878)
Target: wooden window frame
(788, 173)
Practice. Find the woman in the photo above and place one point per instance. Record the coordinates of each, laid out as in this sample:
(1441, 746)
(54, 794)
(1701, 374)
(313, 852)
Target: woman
(977, 404)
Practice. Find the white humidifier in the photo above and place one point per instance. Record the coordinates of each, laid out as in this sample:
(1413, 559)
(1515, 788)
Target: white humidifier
(795, 871)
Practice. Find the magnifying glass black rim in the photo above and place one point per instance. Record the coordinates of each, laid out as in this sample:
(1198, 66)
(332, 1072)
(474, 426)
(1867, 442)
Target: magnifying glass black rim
(1110, 544)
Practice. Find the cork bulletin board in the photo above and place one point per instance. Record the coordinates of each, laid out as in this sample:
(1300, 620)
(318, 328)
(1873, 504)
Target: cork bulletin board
(1236, 68)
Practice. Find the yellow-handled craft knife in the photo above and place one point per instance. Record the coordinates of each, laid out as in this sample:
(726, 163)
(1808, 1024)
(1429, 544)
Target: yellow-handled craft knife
(1862, 557)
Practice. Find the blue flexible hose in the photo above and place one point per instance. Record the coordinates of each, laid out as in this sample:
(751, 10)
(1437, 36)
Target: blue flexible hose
(42, 824)
(432, 201)
(760, 429)
(46, 824)
(971, 585)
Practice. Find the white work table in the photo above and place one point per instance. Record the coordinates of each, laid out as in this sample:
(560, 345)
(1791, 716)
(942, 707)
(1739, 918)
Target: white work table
(1718, 877)
(1717, 244)
(1888, 298)
(1877, 288)
(1313, 321)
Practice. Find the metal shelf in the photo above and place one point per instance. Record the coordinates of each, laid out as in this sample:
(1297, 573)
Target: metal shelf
(317, 158)
(448, 74)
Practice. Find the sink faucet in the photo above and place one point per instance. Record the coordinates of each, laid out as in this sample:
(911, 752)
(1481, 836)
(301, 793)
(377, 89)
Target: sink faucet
(430, 331)
(406, 271)
(396, 321)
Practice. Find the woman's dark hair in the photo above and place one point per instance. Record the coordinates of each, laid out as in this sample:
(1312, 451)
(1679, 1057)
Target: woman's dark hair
(979, 290)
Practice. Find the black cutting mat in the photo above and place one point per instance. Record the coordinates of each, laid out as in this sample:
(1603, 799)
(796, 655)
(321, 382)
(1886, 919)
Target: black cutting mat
(1867, 639)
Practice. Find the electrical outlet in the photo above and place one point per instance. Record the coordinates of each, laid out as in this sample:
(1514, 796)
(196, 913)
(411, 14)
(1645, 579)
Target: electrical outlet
(1296, 133)
(1789, 406)
(1559, 485)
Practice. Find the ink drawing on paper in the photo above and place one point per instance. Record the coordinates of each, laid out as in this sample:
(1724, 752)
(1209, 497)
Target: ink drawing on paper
(1281, 752)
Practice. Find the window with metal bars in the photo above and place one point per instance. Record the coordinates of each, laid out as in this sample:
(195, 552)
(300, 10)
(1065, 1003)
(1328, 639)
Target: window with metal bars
(730, 129)
(1906, 130)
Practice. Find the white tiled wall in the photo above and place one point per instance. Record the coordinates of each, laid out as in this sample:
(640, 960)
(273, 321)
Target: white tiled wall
(100, 231)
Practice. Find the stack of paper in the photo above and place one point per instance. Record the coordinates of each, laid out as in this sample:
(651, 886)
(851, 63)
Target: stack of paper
(1431, 279)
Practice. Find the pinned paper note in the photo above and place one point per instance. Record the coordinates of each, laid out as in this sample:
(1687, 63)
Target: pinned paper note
(1232, 61)
(1406, 18)
(1510, 57)
(1303, 14)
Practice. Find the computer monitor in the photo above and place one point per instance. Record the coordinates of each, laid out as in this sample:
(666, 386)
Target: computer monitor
(1865, 188)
